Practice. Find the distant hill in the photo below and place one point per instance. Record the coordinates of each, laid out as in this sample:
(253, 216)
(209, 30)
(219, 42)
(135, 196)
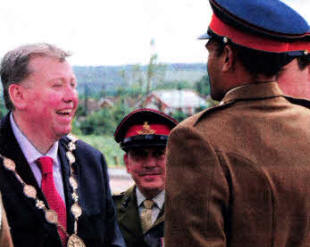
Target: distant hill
(110, 78)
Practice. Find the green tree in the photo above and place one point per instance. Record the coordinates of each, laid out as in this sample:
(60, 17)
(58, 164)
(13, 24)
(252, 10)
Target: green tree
(203, 86)
(179, 115)
(98, 123)
(103, 121)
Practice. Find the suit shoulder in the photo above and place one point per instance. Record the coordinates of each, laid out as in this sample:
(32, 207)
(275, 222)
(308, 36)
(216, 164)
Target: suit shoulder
(80, 145)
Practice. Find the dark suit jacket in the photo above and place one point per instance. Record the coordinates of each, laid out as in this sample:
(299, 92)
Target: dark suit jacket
(238, 174)
(97, 226)
(130, 224)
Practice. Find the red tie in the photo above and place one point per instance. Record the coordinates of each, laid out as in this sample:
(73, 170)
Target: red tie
(53, 198)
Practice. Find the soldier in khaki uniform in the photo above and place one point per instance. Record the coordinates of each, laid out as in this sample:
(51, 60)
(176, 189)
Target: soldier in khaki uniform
(143, 135)
(238, 174)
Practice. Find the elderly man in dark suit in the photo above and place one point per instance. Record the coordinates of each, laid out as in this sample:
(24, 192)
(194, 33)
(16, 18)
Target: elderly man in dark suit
(238, 173)
(55, 188)
(143, 135)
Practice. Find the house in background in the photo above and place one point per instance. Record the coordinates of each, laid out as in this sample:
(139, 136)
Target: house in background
(171, 101)
(106, 102)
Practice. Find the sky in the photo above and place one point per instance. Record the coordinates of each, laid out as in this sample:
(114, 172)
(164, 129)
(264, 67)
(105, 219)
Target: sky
(114, 32)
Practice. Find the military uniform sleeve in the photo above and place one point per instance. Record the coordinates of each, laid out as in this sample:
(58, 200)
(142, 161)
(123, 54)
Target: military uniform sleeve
(197, 192)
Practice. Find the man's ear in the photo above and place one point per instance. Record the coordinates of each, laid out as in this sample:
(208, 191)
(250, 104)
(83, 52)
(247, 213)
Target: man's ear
(228, 58)
(17, 96)
(126, 162)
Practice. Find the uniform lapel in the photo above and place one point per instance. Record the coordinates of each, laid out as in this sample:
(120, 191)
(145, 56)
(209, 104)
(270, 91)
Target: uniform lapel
(129, 215)
(159, 220)
(161, 217)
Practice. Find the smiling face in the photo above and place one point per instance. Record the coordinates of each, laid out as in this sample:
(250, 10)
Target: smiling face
(49, 98)
(147, 167)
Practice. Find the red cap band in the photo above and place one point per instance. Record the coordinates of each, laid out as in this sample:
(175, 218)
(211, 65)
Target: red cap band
(147, 129)
(254, 41)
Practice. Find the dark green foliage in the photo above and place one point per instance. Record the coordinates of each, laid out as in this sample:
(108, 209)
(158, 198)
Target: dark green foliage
(126, 86)
(97, 123)
(203, 86)
(107, 145)
(3, 109)
(179, 115)
(81, 111)
(104, 121)
(174, 85)
(107, 79)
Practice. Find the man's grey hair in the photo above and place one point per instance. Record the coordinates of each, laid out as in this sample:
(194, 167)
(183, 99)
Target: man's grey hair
(14, 65)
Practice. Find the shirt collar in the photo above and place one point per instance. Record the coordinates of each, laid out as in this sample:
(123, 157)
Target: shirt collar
(252, 91)
(30, 152)
(159, 199)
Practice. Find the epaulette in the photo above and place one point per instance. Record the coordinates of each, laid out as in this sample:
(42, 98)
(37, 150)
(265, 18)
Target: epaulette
(208, 111)
(122, 199)
(118, 194)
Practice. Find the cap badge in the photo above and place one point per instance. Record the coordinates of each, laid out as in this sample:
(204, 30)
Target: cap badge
(146, 129)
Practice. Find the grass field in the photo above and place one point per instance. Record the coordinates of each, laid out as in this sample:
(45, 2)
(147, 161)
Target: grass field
(106, 144)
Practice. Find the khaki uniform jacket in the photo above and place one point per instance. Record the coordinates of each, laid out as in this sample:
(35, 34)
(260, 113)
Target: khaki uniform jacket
(130, 224)
(239, 174)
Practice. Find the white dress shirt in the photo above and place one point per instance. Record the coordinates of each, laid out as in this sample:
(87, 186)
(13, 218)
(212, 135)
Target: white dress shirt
(32, 154)
(158, 203)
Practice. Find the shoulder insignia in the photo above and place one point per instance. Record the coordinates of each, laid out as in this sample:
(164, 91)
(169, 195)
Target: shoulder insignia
(121, 194)
(210, 110)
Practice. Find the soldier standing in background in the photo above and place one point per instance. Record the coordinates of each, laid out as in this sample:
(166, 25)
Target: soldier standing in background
(143, 135)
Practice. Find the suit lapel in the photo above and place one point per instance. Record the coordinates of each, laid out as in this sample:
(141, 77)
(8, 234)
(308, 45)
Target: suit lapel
(10, 148)
(65, 168)
(129, 215)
